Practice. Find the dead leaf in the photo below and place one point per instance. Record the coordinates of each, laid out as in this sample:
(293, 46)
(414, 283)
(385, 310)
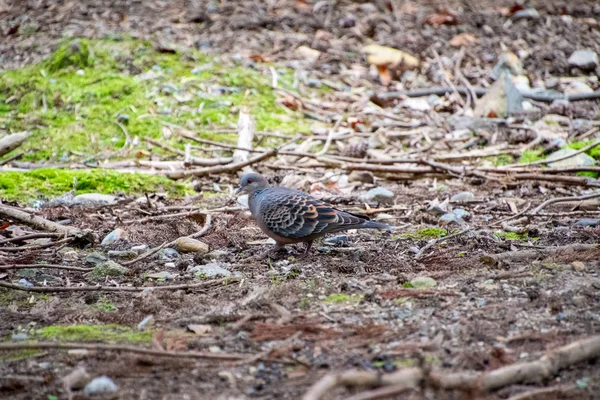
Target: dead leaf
(443, 17)
(200, 330)
(515, 8)
(259, 58)
(4, 225)
(462, 39)
(384, 75)
(388, 56)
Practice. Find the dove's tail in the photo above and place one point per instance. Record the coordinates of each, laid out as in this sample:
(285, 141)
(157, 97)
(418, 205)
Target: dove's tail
(377, 225)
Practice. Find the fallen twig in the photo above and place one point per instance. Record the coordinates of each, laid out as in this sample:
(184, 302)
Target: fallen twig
(52, 266)
(409, 292)
(475, 382)
(564, 199)
(123, 348)
(433, 242)
(10, 142)
(228, 168)
(553, 160)
(544, 392)
(524, 255)
(36, 247)
(99, 288)
(31, 236)
(202, 232)
(83, 237)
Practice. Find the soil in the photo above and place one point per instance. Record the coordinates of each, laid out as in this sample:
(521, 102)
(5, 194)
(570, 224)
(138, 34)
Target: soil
(341, 307)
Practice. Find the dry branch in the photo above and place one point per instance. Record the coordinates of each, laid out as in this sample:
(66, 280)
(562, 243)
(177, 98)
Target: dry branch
(83, 237)
(228, 168)
(474, 382)
(48, 289)
(50, 266)
(524, 255)
(564, 199)
(10, 142)
(123, 348)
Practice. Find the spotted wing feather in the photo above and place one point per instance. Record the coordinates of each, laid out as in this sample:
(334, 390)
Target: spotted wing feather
(296, 215)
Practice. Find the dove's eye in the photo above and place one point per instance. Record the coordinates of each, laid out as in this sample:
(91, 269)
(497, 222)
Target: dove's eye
(249, 180)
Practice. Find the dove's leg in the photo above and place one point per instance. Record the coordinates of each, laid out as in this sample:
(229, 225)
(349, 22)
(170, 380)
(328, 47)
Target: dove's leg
(308, 246)
(264, 254)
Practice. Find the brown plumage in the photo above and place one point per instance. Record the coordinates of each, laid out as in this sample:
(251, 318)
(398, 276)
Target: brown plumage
(290, 216)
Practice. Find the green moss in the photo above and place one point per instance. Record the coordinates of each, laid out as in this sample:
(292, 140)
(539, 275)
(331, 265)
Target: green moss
(511, 235)
(593, 152)
(18, 355)
(21, 299)
(93, 333)
(530, 156)
(339, 298)
(304, 303)
(426, 233)
(502, 159)
(73, 115)
(49, 182)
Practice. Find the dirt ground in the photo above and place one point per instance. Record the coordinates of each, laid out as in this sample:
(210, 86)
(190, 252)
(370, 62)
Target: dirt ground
(344, 306)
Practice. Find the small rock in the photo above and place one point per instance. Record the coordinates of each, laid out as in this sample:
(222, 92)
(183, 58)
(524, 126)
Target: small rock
(578, 266)
(561, 316)
(45, 365)
(339, 239)
(146, 322)
(19, 337)
(76, 379)
(122, 254)
(25, 282)
(463, 197)
(123, 118)
(587, 222)
(528, 13)
(577, 87)
(501, 100)
(584, 59)
(100, 385)
(94, 199)
(113, 237)
(217, 254)
(423, 282)
(323, 249)
(211, 270)
(78, 352)
(189, 245)
(199, 329)
(161, 275)
(168, 254)
(361, 176)
(449, 218)
(170, 265)
(95, 258)
(108, 268)
(434, 100)
(416, 103)
(579, 160)
(140, 249)
(461, 213)
(308, 54)
(378, 195)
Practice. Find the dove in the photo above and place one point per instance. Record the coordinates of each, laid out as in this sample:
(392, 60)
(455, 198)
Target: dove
(290, 216)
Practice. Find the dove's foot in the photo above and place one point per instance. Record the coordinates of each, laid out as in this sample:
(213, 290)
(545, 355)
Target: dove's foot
(306, 251)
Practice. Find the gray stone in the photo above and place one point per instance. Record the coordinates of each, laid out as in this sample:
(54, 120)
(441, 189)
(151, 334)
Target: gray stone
(140, 249)
(113, 237)
(211, 270)
(101, 385)
(378, 195)
(462, 122)
(338, 239)
(122, 254)
(161, 275)
(95, 258)
(361, 176)
(528, 13)
(463, 197)
(577, 87)
(19, 337)
(461, 213)
(25, 282)
(168, 254)
(423, 282)
(584, 59)
(94, 199)
(501, 100)
(579, 160)
(587, 222)
(108, 268)
(449, 218)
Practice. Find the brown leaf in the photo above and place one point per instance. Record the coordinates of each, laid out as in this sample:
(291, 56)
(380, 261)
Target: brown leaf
(200, 330)
(462, 39)
(443, 17)
(384, 75)
(515, 8)
(259, 58)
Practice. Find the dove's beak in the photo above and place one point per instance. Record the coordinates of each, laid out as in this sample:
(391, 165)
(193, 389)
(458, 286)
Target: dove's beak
(238, 190)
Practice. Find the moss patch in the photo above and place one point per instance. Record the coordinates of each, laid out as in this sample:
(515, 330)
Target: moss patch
(340, 298)
(93, 333)
(511, 235)
(73, 101)
(426, 233)
(18, 355)
(530, 156)
(47, 183)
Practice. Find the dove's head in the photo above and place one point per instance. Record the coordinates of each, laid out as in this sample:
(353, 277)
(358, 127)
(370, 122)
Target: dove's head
(252, 182)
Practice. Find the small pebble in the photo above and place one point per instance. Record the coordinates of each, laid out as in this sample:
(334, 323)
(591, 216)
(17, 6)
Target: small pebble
(25, 282)
(113, 237)
(161, 275)
(168, 254)
(100, 385)
(146, 322)
(95, 258)
(463, 197)
(169, 265)
(140, 248)
(338, 239)
(578, 266)
(19, 337)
